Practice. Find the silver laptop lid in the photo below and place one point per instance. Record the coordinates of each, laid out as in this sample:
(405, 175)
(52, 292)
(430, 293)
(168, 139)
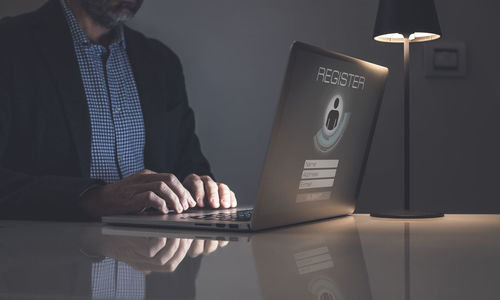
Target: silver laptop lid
(321, 136)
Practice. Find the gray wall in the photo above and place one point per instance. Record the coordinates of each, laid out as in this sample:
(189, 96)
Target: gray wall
(234, 54)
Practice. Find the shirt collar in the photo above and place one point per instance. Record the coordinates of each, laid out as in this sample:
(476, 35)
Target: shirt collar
(79, 36)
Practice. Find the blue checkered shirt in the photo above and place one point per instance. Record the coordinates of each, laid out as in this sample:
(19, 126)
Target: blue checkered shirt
(116, 121)
(112, 279)
(117, 145)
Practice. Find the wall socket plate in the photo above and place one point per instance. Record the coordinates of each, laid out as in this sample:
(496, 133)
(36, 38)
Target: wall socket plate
(445, 59)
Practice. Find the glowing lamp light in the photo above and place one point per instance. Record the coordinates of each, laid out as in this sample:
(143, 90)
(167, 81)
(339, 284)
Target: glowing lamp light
(398, 20)
(414, 37)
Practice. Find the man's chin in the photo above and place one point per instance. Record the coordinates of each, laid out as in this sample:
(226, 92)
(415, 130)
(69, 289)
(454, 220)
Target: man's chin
(122, 16)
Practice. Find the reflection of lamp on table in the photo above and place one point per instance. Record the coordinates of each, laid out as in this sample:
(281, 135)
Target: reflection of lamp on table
(405, 21)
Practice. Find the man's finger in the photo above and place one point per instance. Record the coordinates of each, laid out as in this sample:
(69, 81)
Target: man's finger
(195, 185)
(177, 187)
(196, 248)
(167, 252)
(155, 245)
(223, 243)
(147, 247)
(234, 203)
(211, 191)
(174, 262)
(171, 180)
(224, 195)
(146, 172)
(210, 246)
(163, 190)
(148, 199)
(139, 176)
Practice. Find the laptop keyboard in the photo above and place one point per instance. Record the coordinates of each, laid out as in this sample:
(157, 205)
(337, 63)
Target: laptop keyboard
(242, 215)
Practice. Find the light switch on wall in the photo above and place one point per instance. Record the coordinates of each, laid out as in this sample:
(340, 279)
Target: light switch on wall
(445, 59)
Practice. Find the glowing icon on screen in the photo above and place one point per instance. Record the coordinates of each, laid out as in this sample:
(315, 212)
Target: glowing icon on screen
(334, 125)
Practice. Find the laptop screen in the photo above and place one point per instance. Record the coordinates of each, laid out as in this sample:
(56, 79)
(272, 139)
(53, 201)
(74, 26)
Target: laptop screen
(321, 135)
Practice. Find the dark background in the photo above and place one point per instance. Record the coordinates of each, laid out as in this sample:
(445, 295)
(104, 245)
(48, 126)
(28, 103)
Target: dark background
(234, 55)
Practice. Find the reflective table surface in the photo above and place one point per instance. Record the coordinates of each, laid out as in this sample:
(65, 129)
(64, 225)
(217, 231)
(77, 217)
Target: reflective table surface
(354, 257)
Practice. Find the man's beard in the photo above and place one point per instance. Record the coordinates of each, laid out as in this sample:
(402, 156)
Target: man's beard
(110, 13)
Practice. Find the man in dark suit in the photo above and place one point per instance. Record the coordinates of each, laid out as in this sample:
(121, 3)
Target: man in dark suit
(94, 118)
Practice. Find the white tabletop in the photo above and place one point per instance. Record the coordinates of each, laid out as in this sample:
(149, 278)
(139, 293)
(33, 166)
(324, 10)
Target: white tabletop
(355, 257)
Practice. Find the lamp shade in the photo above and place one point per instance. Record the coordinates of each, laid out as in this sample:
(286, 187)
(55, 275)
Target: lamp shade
(415, 19)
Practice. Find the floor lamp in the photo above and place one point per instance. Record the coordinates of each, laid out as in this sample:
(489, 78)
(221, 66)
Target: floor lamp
(406, 21)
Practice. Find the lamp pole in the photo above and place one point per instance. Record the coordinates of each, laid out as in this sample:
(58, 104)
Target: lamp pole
(406, 122)
(406, 212)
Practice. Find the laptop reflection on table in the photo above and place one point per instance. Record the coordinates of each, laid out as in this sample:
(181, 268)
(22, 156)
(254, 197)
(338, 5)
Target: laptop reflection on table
(322, 260)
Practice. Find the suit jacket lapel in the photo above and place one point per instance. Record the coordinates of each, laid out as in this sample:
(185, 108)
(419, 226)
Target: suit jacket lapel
(56, 44)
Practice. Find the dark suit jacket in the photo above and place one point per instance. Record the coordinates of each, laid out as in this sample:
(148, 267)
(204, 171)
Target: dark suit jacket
(44, 120)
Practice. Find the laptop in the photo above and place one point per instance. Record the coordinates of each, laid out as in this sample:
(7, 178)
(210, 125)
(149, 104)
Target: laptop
(317, 152)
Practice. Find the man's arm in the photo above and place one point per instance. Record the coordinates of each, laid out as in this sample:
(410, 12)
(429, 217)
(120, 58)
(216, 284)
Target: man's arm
(24, 196)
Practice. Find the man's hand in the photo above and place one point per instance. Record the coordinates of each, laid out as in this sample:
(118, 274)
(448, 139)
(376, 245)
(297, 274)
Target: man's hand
(155, 254)
(208, 192)
(143, 190)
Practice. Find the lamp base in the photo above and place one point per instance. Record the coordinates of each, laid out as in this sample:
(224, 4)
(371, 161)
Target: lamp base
(406, 214)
